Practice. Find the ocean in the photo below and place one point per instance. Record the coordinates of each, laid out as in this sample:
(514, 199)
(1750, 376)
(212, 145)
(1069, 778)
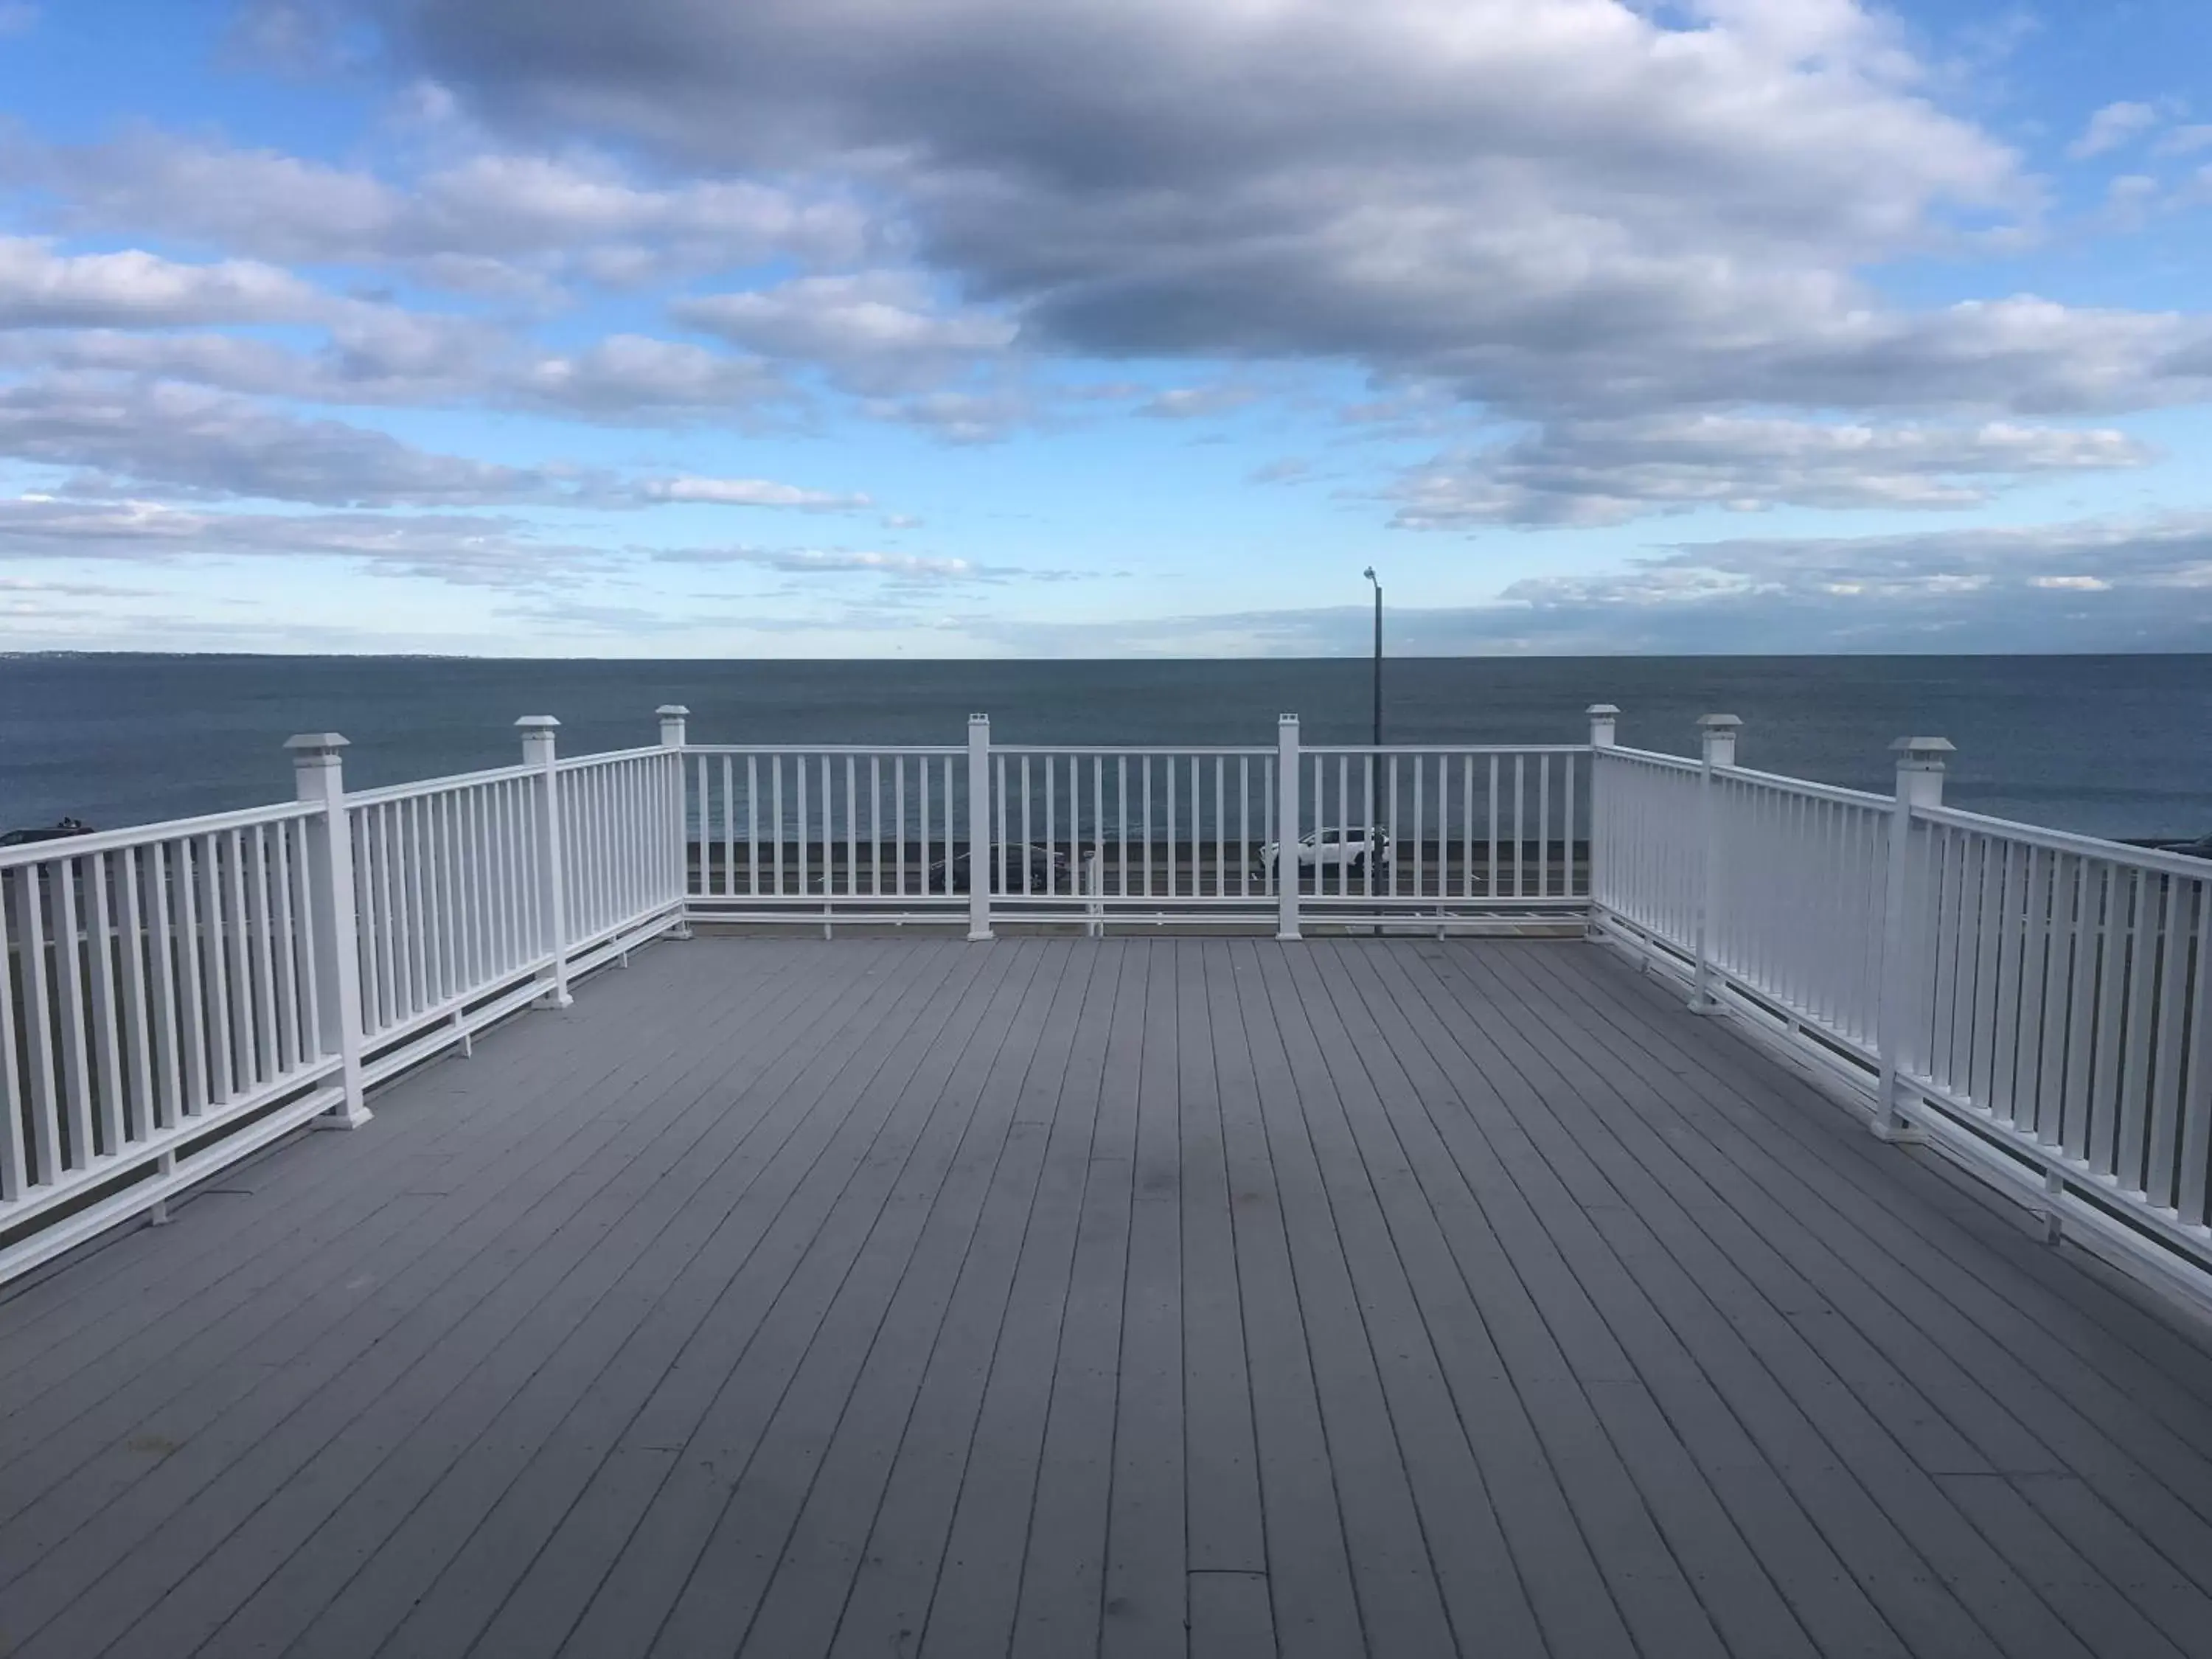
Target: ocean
(2106, 745)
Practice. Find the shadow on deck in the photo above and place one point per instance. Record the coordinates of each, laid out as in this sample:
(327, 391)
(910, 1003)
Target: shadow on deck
(904, 1295)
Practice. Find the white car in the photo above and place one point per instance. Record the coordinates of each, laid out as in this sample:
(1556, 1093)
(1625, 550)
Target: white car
(1346, 851)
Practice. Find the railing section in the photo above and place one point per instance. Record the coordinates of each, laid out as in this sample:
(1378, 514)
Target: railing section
(621, 841)
(154, 985)
(776, 832)
(1109, 831)
(445, 879)
(1465, 830)
(2064, 995)
(2041, 1001)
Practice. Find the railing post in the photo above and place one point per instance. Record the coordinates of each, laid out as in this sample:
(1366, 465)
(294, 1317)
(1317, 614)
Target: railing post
(1286, 827)
(1718, 731)
(979, 827)
(672, 739)
(1919, 783)
(552, 888)
(1603, 717)
(319, 772)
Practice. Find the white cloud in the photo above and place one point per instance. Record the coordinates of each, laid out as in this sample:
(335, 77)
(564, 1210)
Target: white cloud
(749, 492)
(1599, 472)
(2110, 127)
(1197, 402)
(2184, 141)
(42, 289)
(837, 562)
(878, 332)
(488, 221)
(462, 549)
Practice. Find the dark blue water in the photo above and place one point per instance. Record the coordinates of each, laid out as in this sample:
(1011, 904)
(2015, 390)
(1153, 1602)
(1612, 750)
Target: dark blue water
(2108, 745)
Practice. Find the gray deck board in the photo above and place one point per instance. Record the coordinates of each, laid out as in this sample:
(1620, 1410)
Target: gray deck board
(1143, 1296)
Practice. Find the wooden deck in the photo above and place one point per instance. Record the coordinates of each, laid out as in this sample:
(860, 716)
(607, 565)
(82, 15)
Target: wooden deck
(899, 1296)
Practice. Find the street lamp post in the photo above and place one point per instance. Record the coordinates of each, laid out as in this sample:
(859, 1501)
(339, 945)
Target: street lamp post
(1377, 580)
(1375, 771)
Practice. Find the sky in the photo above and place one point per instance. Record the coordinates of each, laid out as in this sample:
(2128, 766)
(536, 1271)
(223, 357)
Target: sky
(1040, 328)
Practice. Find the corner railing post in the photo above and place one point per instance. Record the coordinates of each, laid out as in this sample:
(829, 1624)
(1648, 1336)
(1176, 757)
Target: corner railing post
(1603, 717)
(1286, 827)
(1718, 731)
(319, 772)
(552, 886)
(672, 739)
(979, 827)
(1904, 967)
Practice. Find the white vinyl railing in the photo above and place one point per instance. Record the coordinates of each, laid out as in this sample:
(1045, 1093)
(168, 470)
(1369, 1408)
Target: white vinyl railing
(2041, 1002)
(174, 997)
(776, 833)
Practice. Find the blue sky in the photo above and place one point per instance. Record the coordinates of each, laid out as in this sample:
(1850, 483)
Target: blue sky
(1027, 327)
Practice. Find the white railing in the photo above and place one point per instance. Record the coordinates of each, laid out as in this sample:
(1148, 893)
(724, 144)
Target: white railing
(174, 997)
(1132, 834)
(779, 833)
(2039, 1002)
(1107, 836)
(153, 984)
(1471, 831)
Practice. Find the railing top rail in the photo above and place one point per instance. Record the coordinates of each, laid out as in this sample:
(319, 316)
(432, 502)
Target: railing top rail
(886, 749)
(1828, 791)
(2062, 841)
(1175, 750)
(579, 762)
(1445, 749)
(1651, 757)
(393, 792)
(146, 835)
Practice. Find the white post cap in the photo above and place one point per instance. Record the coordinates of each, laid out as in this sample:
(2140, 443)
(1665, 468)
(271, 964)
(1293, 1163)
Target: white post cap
(1286, 719)
(672, 711)
(1718, 724)
(537, 722)
(310, 745)
(1600, 708)
(1924, 753)
(979, 720)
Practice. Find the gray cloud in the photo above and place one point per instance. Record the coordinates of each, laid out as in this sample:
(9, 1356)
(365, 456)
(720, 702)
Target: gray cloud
(1595, 473)
(190, 439)
(1564, 208)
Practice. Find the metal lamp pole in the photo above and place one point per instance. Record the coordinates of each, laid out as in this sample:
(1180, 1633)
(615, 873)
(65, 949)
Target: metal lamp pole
(1374, 785)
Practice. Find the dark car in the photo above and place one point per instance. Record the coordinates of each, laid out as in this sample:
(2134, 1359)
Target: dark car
(61, 831)
(2199, 849)
(1048, 870)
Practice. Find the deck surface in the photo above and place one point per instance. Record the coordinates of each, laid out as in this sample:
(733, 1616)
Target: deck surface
(897, 1296)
